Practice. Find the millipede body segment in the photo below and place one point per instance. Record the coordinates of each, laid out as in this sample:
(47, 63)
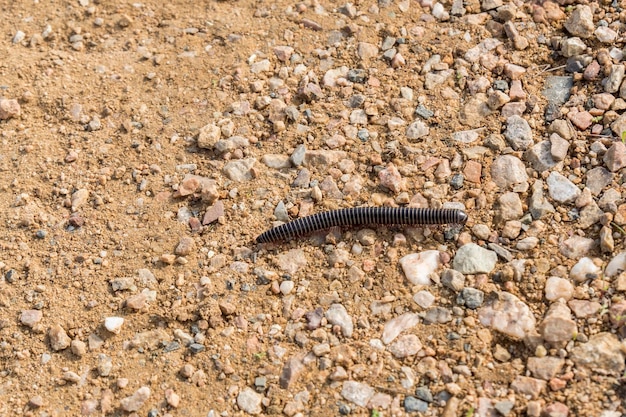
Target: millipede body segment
(362, 216)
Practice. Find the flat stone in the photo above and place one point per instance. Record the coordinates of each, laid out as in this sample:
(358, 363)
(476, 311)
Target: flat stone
(602, 351)
(397, 325)
(561, 189)
(390, 178)
(583, 309)
(540, 156)
(597, 179)
(557, 90)
(507, 314)
(405, 346)
(453, 280)
(241, 170)
(539, 206)
(249, 401)
(213, 213)
(473, 259)
(546, 367)
(509, 207)
(508, 171)
(30, 318)
(528, 386)
(292, 261)
(576, 247)
(357, 392)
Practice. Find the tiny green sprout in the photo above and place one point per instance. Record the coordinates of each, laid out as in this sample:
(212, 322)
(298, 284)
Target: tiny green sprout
(569, 9)
(596, 119)
(624, 136)
(574, 336)
(618, 227)
(375, 413)
(470, 412)
(259, 355)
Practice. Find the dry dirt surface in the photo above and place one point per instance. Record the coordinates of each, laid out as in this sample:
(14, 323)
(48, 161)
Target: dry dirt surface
(145, 145)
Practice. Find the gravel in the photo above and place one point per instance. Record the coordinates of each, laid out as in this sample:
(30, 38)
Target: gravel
(141, 158)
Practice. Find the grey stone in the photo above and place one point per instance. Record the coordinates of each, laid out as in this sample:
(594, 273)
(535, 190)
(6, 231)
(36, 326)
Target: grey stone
(297, 157)
(438, 315)
(597, 179)
(540, 156)
(249, 401)
(590, 215)
(241, 170)
(614, 80)
(572, 46)
(453, 279)
(416, 130)
(471, 298)
(518, 133)
(539, 206)
(557, 89)
(415, 405)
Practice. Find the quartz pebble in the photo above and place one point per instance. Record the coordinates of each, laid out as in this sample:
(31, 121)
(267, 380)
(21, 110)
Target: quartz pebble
(507, 314)
(418, 267)
(338, 315)
(357, 392)
(114, 324)
(135, 401)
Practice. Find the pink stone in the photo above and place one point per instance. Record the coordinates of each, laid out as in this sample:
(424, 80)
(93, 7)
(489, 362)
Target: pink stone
(473, 171)
(9, 108)
(555, 409)
(516, 92)
(581, 119)
(390, 177)
(615, 157)
(213, 213)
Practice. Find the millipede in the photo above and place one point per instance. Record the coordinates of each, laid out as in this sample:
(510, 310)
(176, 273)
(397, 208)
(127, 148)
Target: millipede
(362, 216)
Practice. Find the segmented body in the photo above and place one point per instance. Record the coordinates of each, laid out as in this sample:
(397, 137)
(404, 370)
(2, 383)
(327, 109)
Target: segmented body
(362, 216)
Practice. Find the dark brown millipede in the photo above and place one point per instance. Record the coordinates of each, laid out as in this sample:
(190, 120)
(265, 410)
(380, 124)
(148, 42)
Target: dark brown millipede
(362, 216)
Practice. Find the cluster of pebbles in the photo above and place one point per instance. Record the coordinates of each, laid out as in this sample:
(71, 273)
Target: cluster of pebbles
(130, 280)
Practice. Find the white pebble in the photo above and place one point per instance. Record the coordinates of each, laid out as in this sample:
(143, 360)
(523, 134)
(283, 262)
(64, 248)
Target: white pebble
(113, 324)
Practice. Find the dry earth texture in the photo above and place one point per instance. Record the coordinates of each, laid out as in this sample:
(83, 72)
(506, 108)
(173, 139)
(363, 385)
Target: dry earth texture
(145, 145)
